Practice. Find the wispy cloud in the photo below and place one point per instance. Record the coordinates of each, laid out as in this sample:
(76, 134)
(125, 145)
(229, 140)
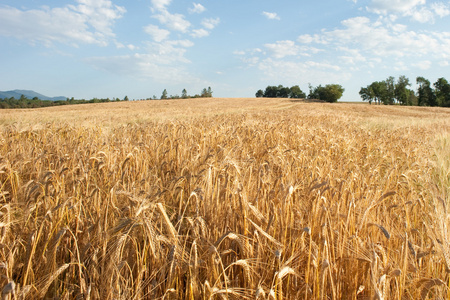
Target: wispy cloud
(199, 33)
(88, 22)
(175, 22)
(162, 59)
(282, 49)
(441, 9)
(271, 15)
(210, 23)
(160, 4)
(163, 62)
(295, 72)
(417, 10)
(197, 8)
(157, 33)
(381, 38)
(423, 65)
(394, 6)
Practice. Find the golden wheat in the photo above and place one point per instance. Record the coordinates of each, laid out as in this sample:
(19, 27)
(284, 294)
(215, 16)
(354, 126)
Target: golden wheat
(225, 199)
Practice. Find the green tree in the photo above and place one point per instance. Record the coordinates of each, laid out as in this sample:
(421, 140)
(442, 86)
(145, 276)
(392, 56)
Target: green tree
(367, 94)
(296, 92)
(425, 93)
(380, 91)
(313, 92)
(125, 98)
(271, 92)
(333, 92)
(164, 95)
(184, 94)
(259, 94)
(283, 92)
(412, 98)
(329, 93)
(390, 90)
(442, 92)
(401, 90)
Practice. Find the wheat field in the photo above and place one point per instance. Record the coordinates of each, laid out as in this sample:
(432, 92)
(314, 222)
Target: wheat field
(225, 199)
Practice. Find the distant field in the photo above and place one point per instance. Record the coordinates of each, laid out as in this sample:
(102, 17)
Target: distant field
(225, 198)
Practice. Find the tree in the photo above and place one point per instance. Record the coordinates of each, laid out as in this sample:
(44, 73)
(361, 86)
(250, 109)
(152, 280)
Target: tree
(313, 92)
(283, 92)
(329, 93)
(390, 90)
(296, 92)
(259, 94)
(271, 92)
(367, 94)
(164, 94)
(206, 93)
(380, 91)
(401, 91)
(425, 93)
(442, 92)
(332, 92)
(184, 94)
(125, 98)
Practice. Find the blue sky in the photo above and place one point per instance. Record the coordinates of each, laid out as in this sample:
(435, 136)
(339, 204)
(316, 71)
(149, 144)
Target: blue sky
(113, 48)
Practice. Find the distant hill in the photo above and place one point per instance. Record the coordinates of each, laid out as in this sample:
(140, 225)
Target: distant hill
(29, 94)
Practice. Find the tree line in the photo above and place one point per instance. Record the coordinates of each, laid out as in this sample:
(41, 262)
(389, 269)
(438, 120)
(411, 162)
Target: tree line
(205, 93)
(24, 102)
(392, 91)
(329, 93)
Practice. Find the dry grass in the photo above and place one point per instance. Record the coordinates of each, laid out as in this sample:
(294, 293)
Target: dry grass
(225, 199)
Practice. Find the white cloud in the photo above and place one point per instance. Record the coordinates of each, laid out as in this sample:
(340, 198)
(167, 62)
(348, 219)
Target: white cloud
(271, 16)
(293, 72)
(210, 23)
(157, 33)
(400, 66)
(422, 15)
(423, 65)
(175, 22)
(383, 39)
(197, 9)
(178, 22)
(199, 33)
(88, 22)
(281, 49)
(394, 6)
(308, 39)
(418, 10)
(161, 4)
(163, 62)
(100, 14)
(440, 9)
(352, 56)
(359, 44)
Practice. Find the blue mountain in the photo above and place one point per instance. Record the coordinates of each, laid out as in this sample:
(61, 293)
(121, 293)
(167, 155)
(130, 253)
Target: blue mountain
(29, 94)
